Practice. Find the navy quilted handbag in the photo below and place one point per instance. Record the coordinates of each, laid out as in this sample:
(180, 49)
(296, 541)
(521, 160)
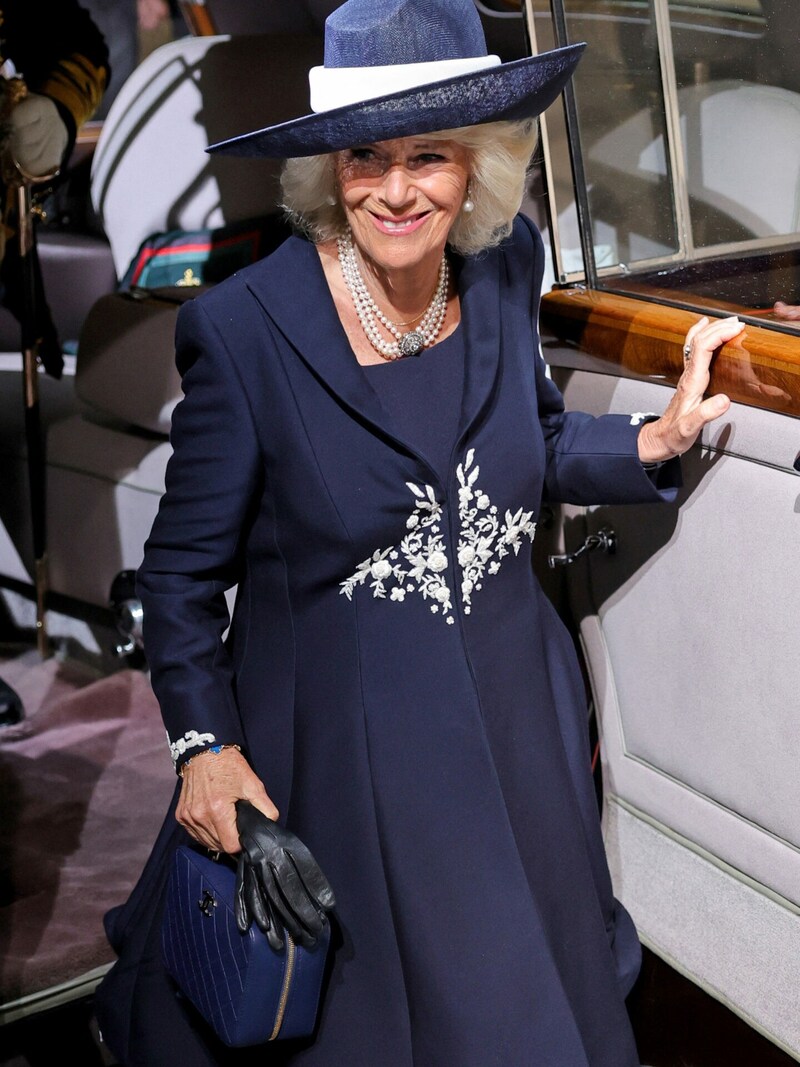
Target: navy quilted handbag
(244, 989)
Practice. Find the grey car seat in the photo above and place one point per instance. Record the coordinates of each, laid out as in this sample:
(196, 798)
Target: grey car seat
(150, 174)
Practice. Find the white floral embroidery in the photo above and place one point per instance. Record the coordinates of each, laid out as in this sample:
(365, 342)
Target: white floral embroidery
(191, 739)
(640, 416)
(417, 564)
(483, 535)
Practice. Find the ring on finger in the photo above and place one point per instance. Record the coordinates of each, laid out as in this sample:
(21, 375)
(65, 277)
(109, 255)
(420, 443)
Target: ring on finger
(687, 352)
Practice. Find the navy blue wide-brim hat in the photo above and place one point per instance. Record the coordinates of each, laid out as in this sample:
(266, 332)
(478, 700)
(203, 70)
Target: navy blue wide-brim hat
(396, 68)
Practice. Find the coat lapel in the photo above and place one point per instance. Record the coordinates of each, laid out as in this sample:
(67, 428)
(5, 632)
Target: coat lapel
(293, 291)
(479, 289)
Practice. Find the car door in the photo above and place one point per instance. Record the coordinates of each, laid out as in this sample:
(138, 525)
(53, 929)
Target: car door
(674, 190)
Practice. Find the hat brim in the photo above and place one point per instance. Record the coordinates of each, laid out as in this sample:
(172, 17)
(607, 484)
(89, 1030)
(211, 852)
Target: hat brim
(521, 89)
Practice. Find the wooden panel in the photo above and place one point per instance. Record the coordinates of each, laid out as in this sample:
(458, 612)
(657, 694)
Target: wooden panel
(639, 339)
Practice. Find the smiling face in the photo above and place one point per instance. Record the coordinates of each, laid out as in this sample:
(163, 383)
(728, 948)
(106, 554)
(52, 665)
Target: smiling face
(401, 197)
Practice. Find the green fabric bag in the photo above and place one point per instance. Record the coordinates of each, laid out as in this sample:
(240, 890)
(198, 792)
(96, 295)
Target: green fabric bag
(203, 257)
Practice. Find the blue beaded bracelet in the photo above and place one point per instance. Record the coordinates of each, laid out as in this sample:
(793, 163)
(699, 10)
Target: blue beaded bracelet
(216, 749)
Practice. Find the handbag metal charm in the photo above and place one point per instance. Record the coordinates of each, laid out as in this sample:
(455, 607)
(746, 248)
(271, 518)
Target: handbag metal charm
(207, 904)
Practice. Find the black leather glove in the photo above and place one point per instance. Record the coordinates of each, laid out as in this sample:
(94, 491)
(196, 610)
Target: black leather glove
(278, 882)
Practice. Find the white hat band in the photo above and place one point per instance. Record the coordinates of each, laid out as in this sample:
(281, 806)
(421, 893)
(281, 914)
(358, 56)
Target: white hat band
(333, 87)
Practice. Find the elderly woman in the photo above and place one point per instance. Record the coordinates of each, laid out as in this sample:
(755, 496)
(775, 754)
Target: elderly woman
(367, 435)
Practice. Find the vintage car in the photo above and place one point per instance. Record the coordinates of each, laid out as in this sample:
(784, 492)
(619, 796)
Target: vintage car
(673, 192)
(667, 186)
(673, 182)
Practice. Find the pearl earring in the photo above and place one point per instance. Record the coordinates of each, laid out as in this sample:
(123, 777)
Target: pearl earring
(468, 206)
(330, 200)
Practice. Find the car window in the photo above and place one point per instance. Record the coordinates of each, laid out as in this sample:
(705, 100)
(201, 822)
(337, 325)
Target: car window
(683, 158)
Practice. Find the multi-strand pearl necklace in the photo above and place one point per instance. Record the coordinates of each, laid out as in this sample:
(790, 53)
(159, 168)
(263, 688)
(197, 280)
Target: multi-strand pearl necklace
(369, 314)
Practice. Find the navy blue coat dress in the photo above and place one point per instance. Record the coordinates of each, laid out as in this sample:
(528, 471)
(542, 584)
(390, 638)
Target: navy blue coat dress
(395, 676)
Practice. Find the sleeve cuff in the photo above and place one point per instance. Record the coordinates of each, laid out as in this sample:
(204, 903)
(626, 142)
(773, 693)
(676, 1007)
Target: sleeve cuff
(191, 742)
(666, 477)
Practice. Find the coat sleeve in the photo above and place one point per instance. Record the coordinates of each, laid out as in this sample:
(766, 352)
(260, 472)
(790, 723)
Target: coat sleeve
(596, 460)
(58, 48)
(194, 550)
(590, 460)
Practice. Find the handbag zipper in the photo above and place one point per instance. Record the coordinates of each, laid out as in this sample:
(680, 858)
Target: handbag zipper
(288, 974)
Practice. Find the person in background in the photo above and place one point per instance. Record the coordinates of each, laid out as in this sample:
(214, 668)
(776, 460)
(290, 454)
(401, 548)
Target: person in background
(66, 71)
(129, 27)
(118, 21)
(61, 55)
(789, 312)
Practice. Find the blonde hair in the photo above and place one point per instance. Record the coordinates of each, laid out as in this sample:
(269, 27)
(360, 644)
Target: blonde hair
(499, 155)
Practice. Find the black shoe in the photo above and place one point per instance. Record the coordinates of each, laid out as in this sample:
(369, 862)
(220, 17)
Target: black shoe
(11, 710)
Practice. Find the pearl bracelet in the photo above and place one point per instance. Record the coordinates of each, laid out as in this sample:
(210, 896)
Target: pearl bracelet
(216, 749)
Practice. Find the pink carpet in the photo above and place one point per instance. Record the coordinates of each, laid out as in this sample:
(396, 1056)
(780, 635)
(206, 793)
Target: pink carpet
(85, 782)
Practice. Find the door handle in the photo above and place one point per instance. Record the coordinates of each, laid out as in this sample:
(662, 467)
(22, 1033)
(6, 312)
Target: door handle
(605, 540)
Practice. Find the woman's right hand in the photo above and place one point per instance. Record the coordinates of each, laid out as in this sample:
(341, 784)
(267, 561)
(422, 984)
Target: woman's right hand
(212, 783)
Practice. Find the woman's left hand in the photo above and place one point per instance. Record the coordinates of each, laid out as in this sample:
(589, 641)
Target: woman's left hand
(687, 412)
